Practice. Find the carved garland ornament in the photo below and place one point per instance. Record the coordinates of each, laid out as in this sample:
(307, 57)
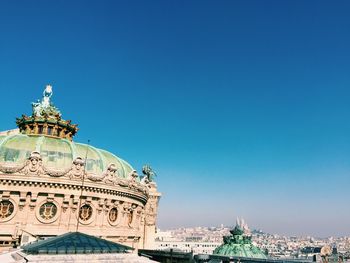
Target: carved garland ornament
(33, 166)
(9, 169)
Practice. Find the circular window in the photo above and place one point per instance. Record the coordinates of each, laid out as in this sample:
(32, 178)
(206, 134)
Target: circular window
(85, 213)
(6, 209)
(48, 211)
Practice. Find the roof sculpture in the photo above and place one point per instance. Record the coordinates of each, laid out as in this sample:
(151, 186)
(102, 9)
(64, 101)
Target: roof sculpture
(46, 119)
(148, 174)
(239, 243)
(45, 107)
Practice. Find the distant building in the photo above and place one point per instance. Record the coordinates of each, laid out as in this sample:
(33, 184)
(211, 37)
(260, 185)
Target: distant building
(239, 244)
(188, 246)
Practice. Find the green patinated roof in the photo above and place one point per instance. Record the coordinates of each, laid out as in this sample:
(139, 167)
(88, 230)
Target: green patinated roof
(59, 153)
(238, 250)
(74, 243)
(238, 244)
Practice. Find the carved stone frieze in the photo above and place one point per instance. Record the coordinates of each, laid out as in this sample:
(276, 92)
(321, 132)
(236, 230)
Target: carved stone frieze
(122, 183)
(133, 184)
(151, 210)
(33, 166)
(132, 215)
(150, 219)
(138, 216)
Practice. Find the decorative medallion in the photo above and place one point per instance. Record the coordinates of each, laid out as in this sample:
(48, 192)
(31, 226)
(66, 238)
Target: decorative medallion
(113, 215)
(85, 212)
(48, 211)
(6, 209)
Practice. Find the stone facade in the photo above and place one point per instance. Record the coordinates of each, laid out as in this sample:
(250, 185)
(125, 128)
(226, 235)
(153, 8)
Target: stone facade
(39, 201)
(36, 202)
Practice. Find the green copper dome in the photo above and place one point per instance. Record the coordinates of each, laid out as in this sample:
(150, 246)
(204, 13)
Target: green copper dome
(59, 153)
(239, 244)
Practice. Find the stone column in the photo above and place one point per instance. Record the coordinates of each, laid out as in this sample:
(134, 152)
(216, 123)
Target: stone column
(65, 214)
(151, 210)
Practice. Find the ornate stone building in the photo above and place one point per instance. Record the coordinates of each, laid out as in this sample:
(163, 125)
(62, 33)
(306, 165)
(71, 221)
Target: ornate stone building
(50, 185)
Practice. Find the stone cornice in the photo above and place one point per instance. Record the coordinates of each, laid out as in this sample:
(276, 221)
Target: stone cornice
(16, 179)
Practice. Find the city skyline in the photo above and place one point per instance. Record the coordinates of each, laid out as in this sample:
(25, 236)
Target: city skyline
(240, 107)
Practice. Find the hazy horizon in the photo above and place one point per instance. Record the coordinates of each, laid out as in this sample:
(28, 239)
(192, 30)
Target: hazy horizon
(256, 229)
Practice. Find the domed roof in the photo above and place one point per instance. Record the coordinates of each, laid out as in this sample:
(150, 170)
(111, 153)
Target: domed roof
(59, 153)
(239, 243)
(46, 133)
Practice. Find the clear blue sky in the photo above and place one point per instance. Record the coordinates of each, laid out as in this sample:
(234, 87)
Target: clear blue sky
(242, 107)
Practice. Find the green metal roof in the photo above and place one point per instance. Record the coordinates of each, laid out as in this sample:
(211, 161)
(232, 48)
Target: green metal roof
(59, 153)
(240, 250)
(238, 244)
(74, 243)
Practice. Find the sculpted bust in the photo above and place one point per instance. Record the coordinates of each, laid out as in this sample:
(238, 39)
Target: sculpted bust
(132, 177)
(34, 164)
(110, 175)
(77, 170)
